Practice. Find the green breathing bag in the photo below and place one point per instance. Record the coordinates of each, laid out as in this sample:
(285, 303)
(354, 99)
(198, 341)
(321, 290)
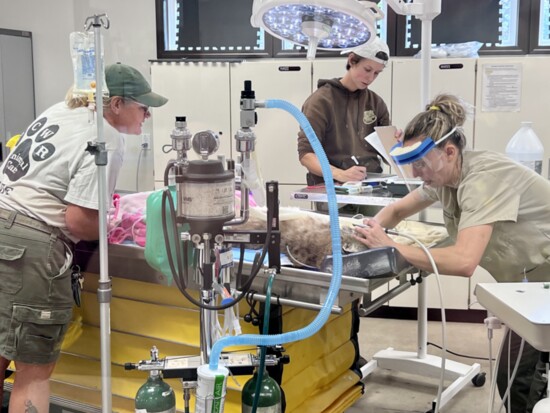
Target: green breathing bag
(155, 244)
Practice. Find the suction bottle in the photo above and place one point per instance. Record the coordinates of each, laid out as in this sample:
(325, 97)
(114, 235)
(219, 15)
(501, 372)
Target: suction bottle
(526, 148)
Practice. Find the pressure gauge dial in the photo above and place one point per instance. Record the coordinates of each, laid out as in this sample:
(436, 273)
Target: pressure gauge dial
(205, 143)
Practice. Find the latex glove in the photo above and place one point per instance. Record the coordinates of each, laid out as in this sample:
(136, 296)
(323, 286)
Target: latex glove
(373, 235)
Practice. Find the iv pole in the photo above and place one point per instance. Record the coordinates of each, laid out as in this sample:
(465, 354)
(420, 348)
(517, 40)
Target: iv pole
(104, 287)
(425, 11)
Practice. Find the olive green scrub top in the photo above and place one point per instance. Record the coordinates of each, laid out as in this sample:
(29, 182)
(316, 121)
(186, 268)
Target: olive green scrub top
(496, 190)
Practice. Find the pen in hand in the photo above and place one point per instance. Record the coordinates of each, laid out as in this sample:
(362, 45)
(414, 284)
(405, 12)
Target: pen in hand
(356, 171)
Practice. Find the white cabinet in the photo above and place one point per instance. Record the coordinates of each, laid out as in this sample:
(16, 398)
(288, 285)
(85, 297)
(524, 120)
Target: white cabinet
(494, 128)
(199, 91)
(276, 130)
(208, 94)
(454, 76)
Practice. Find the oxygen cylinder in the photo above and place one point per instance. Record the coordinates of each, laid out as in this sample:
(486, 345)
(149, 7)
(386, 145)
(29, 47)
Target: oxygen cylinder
(155, 396)
(270, 395)
(526, 148)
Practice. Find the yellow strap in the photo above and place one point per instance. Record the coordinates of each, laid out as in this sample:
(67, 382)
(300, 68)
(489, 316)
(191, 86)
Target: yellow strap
(433, 107)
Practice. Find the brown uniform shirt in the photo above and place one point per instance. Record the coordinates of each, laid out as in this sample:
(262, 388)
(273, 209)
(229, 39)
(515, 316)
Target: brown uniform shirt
(341, 120)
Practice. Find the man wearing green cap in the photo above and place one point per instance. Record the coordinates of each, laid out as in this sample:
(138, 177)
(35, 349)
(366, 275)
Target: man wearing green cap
(48, 201)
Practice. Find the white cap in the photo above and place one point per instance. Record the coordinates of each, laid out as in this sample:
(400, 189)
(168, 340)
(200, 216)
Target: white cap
(375, 50)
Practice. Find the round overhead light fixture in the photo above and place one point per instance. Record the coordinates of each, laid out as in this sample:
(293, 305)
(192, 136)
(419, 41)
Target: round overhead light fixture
(318, 24)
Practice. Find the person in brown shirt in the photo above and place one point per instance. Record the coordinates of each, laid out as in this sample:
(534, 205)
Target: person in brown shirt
(342, 112)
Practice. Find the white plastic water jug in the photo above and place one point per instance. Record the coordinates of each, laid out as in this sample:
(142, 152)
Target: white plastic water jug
(526, 148)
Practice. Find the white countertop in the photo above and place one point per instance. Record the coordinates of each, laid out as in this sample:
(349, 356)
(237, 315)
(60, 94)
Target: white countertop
(523, 307)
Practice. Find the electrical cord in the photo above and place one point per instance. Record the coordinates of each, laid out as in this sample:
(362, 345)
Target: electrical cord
(138, 166)
(511, 378)
(494, 376)
(443, 318)
(505, 397)
(460, 355)
(492, 323)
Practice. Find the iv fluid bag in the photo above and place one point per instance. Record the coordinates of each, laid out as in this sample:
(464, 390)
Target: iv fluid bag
(83, 57)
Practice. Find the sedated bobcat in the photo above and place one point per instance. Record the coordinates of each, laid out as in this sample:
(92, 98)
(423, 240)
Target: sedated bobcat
(306, 236)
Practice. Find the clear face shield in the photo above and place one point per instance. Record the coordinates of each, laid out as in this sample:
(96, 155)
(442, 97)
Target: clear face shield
(423, 159)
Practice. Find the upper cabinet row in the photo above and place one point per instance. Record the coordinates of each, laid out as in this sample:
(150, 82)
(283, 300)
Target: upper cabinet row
(208, 94)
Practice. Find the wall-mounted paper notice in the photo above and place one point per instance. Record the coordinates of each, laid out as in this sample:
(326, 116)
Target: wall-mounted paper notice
(383, 139)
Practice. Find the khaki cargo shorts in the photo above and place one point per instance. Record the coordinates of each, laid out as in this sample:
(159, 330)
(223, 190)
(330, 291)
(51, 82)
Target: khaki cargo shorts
(35, 289)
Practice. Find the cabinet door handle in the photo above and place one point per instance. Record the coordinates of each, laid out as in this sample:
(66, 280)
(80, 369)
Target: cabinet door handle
(290, 68)
(447, 66)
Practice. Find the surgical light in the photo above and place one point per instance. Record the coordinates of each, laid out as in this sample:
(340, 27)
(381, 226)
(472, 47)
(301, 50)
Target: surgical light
(318, 24)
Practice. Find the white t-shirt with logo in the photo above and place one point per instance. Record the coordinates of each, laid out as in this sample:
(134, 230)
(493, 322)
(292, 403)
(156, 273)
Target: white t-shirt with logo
(50, 167)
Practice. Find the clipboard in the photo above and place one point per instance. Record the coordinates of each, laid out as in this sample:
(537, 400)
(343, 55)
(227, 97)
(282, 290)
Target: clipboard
(383, 139)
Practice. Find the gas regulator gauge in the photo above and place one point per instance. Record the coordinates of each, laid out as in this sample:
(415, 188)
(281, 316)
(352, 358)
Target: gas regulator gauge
(205, 143)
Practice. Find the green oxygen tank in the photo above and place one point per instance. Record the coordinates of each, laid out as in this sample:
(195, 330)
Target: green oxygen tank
(270, 395)
(155, 395)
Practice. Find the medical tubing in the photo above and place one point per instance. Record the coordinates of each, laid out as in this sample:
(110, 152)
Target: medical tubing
(490, 357)
(169, 166)
(492, 323)
(138, 167)
(238, 277)
(167, 198)
(443, 320)
(491, 404)
(263, 350)
(336, 279)
(506, 396)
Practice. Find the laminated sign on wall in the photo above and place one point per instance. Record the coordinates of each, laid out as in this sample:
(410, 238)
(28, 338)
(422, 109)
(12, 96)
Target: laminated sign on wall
(501, 88)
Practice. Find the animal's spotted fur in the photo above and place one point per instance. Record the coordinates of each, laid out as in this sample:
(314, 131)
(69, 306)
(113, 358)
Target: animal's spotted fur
(306, 236)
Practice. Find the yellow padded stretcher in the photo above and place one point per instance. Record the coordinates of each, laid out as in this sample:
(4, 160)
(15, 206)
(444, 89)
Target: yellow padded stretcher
(317, 380)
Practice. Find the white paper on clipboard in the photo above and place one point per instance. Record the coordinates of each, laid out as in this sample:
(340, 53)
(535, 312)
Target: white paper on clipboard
(383, 139)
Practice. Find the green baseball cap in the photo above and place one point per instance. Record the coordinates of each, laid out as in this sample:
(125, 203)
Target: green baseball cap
(127, 82)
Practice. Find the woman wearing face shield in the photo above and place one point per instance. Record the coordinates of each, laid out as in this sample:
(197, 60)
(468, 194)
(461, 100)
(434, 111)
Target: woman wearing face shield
(495, 210)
